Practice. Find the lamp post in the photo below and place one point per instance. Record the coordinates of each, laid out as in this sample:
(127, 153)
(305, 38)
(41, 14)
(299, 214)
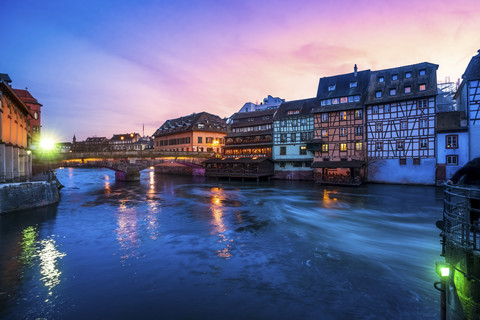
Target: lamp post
(443, 270)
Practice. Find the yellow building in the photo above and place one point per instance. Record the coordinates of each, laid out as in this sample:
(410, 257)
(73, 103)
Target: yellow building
(15, 158)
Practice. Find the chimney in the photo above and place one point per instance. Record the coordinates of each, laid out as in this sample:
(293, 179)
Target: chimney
(355, 70)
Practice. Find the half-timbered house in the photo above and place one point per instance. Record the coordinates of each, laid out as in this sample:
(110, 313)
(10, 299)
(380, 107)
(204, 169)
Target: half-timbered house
(339, 137)
(292, 129)
(400, 110)
(468, 99)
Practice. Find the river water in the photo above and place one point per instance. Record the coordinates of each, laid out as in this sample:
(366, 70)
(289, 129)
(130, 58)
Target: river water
(171, 247)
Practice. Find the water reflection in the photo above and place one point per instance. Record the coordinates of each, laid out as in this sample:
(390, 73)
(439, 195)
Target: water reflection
(29, 240)
(127, 231)
(217, 209)
(49, 256)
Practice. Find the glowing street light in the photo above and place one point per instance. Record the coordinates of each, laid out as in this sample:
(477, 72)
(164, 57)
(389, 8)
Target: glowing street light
(443, 269)
(47, 144)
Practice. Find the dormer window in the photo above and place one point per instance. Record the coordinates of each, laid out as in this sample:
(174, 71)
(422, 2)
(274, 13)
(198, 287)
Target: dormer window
(331, 88)
(394, 76)
(353, 84)
(408, 75)
(378, 94)
(408, 89)
(422, 72)
(381, 79)
(201, 126)
(393, 92)
(422, 87)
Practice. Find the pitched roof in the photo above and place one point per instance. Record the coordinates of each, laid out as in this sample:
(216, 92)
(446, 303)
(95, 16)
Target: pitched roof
(452, 121)
(125, 137)
(296, 108)
(342, 86)
(26, 96)
(5, 77)
(8, 90)
(254, 118)
(202, 121)
(473, 68)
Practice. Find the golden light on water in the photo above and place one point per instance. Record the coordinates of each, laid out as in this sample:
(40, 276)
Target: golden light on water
(217, 209)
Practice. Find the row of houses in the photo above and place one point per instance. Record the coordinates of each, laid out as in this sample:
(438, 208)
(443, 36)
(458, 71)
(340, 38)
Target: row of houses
(369, 125)
(126, 142)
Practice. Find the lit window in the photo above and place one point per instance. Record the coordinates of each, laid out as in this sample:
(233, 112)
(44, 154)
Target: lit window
(452, 160)
(343, 132)
(422, 72)
(324, 117)
(381, 79)
(335, 101)
(378, 94)
(393, 92)
(324, 133)
(408, 89)
(343, 100)
(394, 76)
(35, 115)
(422, 87)
(324, 147)
(423, 143)
(331, 88)
(303, 150)
(451, 141)
(408, 75)
(358, 146)
(358, 114)
(343, 147)
(353, 84)
(343, 115)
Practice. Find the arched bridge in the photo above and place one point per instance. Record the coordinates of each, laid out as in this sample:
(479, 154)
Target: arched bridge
(124, 171)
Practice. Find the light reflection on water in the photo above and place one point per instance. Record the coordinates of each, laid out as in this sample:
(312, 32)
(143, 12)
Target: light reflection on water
(176, 247)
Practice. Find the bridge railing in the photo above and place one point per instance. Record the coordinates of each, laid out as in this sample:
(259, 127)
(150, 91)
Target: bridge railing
(461, 211)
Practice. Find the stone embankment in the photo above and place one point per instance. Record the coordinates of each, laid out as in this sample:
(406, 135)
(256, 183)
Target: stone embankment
(27, 195)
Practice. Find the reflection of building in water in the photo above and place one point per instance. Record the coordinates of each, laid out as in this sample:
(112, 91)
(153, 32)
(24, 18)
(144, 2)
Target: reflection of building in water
(49, 256)
(218, 221)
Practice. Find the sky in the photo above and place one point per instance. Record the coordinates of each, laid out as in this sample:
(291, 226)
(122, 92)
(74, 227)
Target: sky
(115, 66)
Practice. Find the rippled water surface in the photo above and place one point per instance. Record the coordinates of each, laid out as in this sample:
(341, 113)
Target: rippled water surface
(172, 247)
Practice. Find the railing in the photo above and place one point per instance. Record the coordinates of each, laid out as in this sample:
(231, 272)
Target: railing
(461, 211)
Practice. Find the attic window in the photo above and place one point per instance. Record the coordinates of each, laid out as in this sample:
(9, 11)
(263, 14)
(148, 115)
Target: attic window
(394, 76)
(381, 79)
(408, 75)
(378, 94)
(251, 119)
(422, 72)
(353, 84)
(331, 88)
(393, 92)
(201, 126)
(422, 87)
(293, 111)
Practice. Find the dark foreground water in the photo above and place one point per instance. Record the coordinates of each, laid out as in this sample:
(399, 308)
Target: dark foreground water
(183, 248)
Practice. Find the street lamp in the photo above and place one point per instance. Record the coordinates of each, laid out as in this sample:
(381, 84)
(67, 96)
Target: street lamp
(443, 270)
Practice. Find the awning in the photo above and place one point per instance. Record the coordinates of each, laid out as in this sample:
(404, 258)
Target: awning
(338, 164)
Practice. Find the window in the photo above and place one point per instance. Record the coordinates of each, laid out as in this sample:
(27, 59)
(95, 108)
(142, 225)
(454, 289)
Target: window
(404, 125)
(343, 132)
(422, 104)
(393, 92)
(201, 126)
(331, 87)
(386, 108)
(303, 150)
(423, 123)
(452, 160)
(329, 102)
(250, 119)
(408, 89)
(324, 117)
(353, 84)
(358, 114)
(324, 147)
(323, 103)
(199, 139)
(422, 87)
(343, 115)
(283, 137)
(356, 98)
(379, 145)
(293, 137)
(400, 145)
(378, 126)
(381, 79)
(282, 123)
(451, 141)
(375, 110)
(350, 99)
(408, 74)
(343, 100)
(335, 101)
(283, 151)
(394, 76)
(358, 146)
(423, 143)
(324, 133)
(291, 112)
(422, 72)
(303, 136)
(294, 122)
(403, 162)
(378, 94)
(358, 131)
(343, 147)
(35, 115)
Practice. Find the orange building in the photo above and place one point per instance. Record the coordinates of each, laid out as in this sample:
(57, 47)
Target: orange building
(198, 132)
(34, 118)
(15, 159)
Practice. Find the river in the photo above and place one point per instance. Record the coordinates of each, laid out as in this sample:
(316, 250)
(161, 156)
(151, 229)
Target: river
(172, 247)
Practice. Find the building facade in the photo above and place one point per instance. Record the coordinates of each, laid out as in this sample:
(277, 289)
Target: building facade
(268, 103)
(468, 99)
(292, 130)
(400, 110)
(15, 157)
(198, 132)
(34, 119)
(339, 136)
(126, 141)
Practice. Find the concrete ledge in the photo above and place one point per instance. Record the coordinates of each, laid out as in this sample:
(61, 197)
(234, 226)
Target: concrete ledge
(28, 195)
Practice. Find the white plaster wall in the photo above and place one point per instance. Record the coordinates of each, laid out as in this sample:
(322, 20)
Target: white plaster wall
(390, 171)
(474, 140)
(461, 152)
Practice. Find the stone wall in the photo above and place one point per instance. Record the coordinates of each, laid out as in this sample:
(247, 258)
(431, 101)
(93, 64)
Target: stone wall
(29, 195)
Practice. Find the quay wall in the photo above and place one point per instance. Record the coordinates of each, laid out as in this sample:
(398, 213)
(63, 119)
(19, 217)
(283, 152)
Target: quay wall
(28, 195)
(389, 171)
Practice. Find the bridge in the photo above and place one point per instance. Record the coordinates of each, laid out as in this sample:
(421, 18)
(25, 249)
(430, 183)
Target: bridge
(126, 164)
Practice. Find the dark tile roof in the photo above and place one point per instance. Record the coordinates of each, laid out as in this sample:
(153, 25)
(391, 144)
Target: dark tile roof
(255, 118)
(342, 85)
(5, 77)
(297, 108)
(473, 68)
(429, 79)
(202, 121)
(452, 121)
(126, 137)
(26, 96)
